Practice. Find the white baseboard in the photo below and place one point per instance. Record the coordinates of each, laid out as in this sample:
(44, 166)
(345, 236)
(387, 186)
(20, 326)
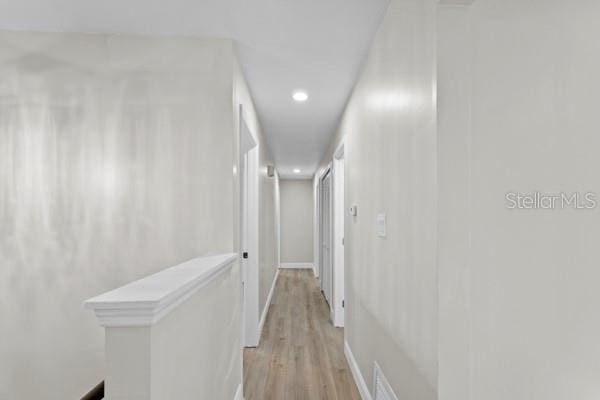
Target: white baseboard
(363, 389)
(263, 317)
(381, 386)
(297, 266)
(239, 395)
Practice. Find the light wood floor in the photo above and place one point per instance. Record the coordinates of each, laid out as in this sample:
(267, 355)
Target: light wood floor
(301, 354)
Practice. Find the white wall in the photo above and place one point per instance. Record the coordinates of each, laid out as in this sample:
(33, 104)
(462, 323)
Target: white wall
(519, 288)
(296, 221)
(390, 150)
(116, 158)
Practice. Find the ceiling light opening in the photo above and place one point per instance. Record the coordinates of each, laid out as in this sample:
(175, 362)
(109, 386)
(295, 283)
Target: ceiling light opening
(296, 170)
(300, 96)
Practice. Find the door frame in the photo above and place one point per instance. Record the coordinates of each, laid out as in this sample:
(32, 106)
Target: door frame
(248, 235)
(317, 226)
(325, 279)
(338, 215)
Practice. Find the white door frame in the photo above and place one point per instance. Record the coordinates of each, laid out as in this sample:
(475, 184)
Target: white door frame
(317, 226)
(318, 215)
(248, 162)
(325, 212)
(338, 215)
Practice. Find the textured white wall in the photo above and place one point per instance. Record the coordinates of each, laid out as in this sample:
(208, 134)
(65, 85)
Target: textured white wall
(296, 220)
(390, 150)
(519, 294)
(116, 158)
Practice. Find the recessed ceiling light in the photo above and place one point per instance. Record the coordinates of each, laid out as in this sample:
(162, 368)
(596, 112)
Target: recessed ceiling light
(296, 170)
(300, 96)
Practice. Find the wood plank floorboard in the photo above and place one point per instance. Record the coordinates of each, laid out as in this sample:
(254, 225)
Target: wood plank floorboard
(301, 353)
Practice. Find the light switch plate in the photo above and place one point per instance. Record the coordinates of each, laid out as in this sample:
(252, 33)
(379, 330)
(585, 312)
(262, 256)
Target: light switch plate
(353, 210)
(381, 225)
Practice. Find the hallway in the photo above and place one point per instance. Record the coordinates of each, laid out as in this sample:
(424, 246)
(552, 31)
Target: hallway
(301, 354)
(173, 174)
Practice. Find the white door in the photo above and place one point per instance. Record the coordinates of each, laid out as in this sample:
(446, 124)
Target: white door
(326, 256)
(248, 176)
(338, 211)
(244, 217)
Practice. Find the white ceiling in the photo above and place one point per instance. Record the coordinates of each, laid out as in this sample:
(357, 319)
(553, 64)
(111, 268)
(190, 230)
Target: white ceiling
(315, 45)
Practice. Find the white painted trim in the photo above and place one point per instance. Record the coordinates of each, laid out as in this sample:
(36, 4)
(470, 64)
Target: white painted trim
(338, 214)
(249, 230)
(263, 317)
(363, 389)
(239, 394)
(340, 149)
(278, 216)
(378, 376)
(296, 266)
(326, 276)
(317, 221)
(316, 231)
(146, 301)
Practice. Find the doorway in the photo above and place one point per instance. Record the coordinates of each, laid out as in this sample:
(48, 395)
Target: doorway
(338, 213)
(331, 241)
(325, 262)
(248, 163)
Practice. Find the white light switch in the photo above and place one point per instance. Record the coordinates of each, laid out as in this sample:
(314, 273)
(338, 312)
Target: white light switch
(381, 228)
(353, 210)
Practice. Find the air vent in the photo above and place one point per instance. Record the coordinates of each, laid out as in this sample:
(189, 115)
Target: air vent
(383, 390)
